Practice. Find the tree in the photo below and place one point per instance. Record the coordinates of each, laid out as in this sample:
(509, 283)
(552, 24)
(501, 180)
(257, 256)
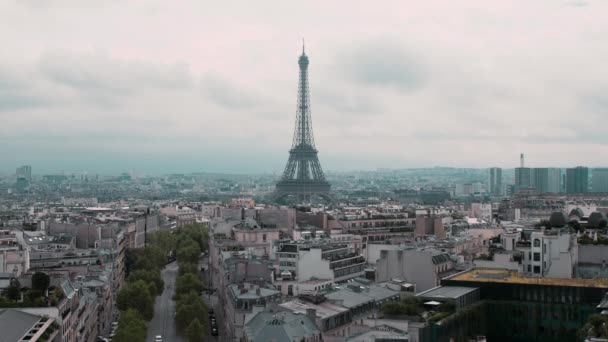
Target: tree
(151, 257)
(194, 332)
(597, 326)
(392, 308)
(196, 232)
(165, 240)
(188, 252)
(12, 292)
(187, 283)
(150, 277)
(188, 268)
(137, 296)
(190, 306)
(131, 327)
(40, 281)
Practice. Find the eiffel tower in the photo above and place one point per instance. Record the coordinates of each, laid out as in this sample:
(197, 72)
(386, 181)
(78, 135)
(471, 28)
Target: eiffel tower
(303, 177)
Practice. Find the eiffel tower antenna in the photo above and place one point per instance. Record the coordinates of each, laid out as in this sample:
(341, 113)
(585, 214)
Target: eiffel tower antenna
(303, 176)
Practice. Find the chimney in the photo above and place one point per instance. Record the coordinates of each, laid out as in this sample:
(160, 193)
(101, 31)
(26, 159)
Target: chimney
(258, 292)
(312, 314)
(242, 214)
(521, 160)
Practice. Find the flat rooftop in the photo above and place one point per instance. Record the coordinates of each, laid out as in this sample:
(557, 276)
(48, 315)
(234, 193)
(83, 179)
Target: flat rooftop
(453, 292)
(513, 277)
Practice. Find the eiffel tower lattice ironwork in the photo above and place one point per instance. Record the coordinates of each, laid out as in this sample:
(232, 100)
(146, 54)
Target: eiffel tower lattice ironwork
(303, 176)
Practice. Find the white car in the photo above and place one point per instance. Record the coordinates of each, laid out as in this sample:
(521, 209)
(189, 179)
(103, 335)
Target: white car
(158, 338)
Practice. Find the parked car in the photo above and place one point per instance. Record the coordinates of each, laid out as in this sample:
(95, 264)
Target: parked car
(158, 338)
(214, 331)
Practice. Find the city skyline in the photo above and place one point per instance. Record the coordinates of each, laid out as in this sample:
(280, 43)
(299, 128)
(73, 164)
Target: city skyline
(117, 86)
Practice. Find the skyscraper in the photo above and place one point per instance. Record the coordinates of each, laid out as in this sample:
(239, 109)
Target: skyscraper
(599, 180)
(303, 176)
(545, 179)
(577, 179)
(24, 172)
(495, 185)
(522, 175)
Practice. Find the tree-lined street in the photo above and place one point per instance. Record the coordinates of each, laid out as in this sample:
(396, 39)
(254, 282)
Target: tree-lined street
(164, 309)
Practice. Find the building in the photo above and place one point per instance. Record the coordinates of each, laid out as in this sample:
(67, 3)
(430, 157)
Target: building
(24, 172)
(599, 180)
(523, 178)
(319, 260)
(542, 253)
(495, 182)
(241, 299)
(422, 267)
(266, 326)
(523, 308)
(338, 310)
(546, 179)
(577, 180)
(19, 326)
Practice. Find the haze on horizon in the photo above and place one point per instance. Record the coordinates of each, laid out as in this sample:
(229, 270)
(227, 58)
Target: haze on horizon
(112, 86)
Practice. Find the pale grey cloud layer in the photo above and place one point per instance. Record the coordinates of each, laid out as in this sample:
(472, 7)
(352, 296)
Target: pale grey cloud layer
(211, 86)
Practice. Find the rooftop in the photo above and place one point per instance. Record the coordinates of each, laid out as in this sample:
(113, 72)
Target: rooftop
(249, 291)
(324, 309)
(14, 324)
(513, 277)
(447, 292)
(280, 326)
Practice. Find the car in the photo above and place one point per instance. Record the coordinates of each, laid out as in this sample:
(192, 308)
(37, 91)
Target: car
(114, 324)
(214, 331)
(210, 311)
(158, 338)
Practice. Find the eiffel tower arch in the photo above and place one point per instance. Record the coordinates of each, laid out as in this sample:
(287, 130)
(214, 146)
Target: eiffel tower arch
(303, 178)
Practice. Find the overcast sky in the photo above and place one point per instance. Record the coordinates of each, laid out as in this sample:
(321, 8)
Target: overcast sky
(182, 86)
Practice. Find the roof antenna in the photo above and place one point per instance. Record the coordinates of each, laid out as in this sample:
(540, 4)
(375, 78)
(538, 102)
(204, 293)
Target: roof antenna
(303, 49)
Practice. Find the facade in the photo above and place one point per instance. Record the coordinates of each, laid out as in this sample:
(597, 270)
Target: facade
(24, 172)
(546, 179)
(523, 308)
(577, 180)
(423, 268)
(543, 253)
(13, 258)
(241, 299)
(495, 182)
(326, 261)
(599, 180)
(523, 177)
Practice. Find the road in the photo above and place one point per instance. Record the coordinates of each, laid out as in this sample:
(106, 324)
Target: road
(211, 300)
(163, 322)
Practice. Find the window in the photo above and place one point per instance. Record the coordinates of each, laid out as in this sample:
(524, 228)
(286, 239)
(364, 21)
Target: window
(536, 242)
(264, 237)
(529, 255)
(529, 268)
(536, 269)
(536, 256)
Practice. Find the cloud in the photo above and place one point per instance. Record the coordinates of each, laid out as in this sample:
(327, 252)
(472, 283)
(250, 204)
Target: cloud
(382, 63)
(226, 94)
(407, 84)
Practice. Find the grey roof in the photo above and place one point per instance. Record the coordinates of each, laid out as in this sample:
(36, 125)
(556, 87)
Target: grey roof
(279, 326)
(14, 324)
(441, 258)
(251, 292)
(352, 297)
(452, 292)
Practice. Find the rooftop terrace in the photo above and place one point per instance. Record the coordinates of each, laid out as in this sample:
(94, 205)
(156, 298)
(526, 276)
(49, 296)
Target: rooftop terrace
(513, 277)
